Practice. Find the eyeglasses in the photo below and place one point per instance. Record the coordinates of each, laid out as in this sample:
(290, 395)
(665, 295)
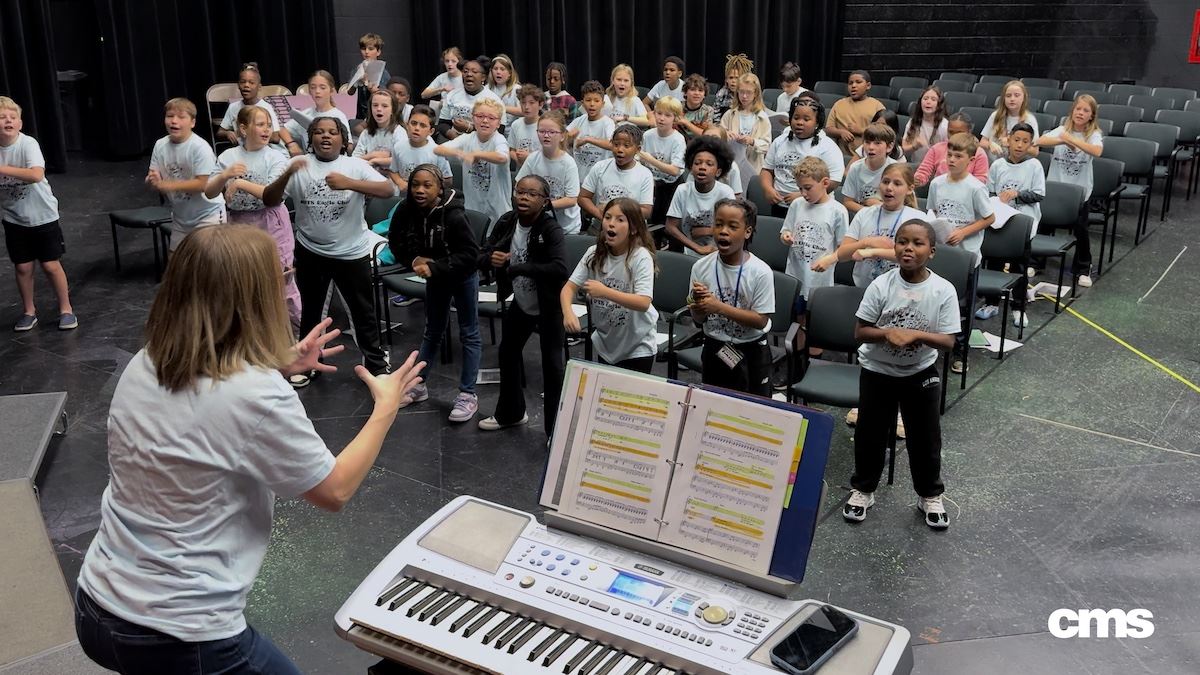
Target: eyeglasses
(486, 118)
(548, 132)
(530, 193)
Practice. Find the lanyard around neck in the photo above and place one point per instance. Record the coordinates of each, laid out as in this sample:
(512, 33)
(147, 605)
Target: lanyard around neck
(737, 289)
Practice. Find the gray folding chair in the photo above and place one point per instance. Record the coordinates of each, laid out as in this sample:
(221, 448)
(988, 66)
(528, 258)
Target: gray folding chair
(1043, 82)
(956, 100)
(997, 79)
(1120, 115)
(1167, 138)
(672, 287)
(766, 244)
(755, 194)
(969, 78)
(881, 91)
(1105, 204)
(1180, 96)
(908, 96)
(1124, 91)
(1057, 109)
(979, 116)
(830, 87)
(1189, 139)
(890, 104)
(1072, 87)
(1150, 105)
(1138, 156)
(769, 97)
(1044, 93)
(829, 98)
(990, 90)
(953, 85)
(956, 265)
(1009, 244)
(905, 81)
(1060, 210)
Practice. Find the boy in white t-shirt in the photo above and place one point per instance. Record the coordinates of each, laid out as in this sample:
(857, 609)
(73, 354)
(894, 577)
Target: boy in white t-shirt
(789, 81)
(670, 85)
(487, 183)
(662, 153)
(415, 148)
(1017, 180)
(179, 168)
(590, 133)
(30, 215)
(861, 188)
(522, 132)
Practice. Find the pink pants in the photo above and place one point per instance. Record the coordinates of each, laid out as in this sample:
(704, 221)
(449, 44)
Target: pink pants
(275, 222)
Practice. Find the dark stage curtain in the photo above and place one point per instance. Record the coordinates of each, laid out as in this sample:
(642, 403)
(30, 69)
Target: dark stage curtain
(154, 51)
(591, 36)
(28, 74)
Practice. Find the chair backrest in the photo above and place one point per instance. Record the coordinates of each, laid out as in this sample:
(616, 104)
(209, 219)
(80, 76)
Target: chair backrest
(1060, 208)
(1180, 96)
(1165, 135)
(961, 77)
(953, 85)
(990, 90)
(978, 115)
(1150, 105)
(713, 88)
(379, 208)
(754, 193)
(890, 104)
(829, 98)
(902, 119)
(1137, 154)
(577, 246)
(843, 273)
(956, 265)
(1072, 87)
(642, 91)
(1187, 121)
(830, 87)
(787, 287)
(1010, 242)
(1058, 109)
(957, 100)
(766, 244)
(274, 90)
(1120, 115)
(880, 91)
(906, 81)
(456, 170)
(832, 317)
(769, 97)
(1192, 105)
(907, 97)
(479, 224)
(1107, 174)
(1045, 157)
(1106, 126)
(1126, 90)
(997, 79)
(1046, 122)
(674, 281)
(219, 94)
(1044, 93)
(1102, 97)
(302, 90)
(1045, 82)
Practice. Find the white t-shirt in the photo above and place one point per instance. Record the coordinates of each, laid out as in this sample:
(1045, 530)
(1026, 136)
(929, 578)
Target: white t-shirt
(733, 179)
(300, 133)
(331, 222)
(405, 157)
(404, 115)
(876, 221)
(694, 209)
(630, 106)
(1068, 165)
(1009, 122)
(927, 133)
(443, 79)
(509, 99)
(606, 182)
(783, 103)
(669, 150)
(21, 203)
(263, 166)
(755, 291)
(186, 517)
(891, 302)
(522, 135)
(458, 104)
(961, 203)
(817, 230)
(1025, 175)
(783, 155)
(380, 140)
(487, 187)
(661, 89)
(185, 161)
(861, 182)
(587, 155)
(524, 287)
(231, 114)
(563, 178)
(621, 333)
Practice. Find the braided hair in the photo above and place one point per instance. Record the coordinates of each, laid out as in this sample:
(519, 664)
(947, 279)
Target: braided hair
(808, 100)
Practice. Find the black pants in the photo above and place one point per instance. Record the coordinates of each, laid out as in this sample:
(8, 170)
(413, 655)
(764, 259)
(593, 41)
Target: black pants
(517, 327)
(1082, 263)
(779, 210)
(641, 364)
(352, 278)
(752, 374)
(918, 398)
(663, 193)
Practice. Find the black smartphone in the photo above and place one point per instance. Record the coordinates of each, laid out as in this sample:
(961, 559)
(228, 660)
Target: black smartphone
(805, 649)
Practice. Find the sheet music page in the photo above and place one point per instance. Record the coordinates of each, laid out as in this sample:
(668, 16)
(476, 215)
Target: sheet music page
(734, 464)
(619, 462)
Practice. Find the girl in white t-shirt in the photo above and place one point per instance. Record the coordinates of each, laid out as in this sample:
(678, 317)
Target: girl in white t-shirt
(249, 83)
(503, 81)
(1013, 107)
(448, 81)
(242, 173)
(803, 139)
(487, 183)
(747, 121)
(558, 169)
(620, 99)
(690, 215)
(621, 176)
(375, 144)
(927, 125)
(1076, 143)
(617, 276)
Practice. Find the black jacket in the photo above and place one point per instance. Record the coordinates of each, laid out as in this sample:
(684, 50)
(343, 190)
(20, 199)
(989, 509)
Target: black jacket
(547, 264)
(443, 234)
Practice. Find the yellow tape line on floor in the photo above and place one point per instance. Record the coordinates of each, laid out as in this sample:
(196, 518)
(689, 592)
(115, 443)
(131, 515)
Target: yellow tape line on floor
(1125, 344)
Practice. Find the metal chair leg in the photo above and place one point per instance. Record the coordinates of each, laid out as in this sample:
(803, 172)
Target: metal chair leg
(116, 247)
(1004, 300)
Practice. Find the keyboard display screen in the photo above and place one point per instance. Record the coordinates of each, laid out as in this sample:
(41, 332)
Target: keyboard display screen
(637, 589)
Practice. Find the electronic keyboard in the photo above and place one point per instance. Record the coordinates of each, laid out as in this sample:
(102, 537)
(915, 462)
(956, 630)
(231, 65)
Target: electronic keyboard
(481, 588)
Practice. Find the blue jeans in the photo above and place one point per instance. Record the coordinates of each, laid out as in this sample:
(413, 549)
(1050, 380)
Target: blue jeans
(465, 295)
(130, 649)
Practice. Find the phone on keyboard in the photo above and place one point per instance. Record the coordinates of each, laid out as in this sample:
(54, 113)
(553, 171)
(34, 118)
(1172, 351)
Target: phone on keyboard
(814, 641)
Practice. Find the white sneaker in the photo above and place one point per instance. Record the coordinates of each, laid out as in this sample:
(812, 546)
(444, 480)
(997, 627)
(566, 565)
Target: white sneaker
(986, 312)
(417, 394)
(935, 512)
(1030, 272)
(1020, 320)
(899, 426)
(465, 407)
(856, 507)
(852, 417)
(492, 424)
(957, 366)
(1084, 281)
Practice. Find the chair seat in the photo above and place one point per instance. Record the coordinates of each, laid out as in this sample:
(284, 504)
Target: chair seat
(145, 217)
(490, 310)
(400, 283)
(1185, 155)
(1045, 245)
(993, 282)
(1134, 190)
(690, 358)
(1161, 171)
(828, 383)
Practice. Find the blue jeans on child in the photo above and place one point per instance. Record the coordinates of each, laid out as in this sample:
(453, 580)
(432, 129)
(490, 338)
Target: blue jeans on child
(465, 295)
(117, 644)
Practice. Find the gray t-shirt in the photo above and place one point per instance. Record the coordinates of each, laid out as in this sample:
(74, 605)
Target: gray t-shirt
(587, 155)
(606, 181)
(184, 161)
(231, 114)
(1026, 175)
(862, 183)
(876, 221)
(562, 176)
(817, 230)
(263, 166)
(1068, 165)
(186, 516)
(784, 154)
(892, 302)
(694, 209)
(331, 222)
(405, 157)
(961, 202)
(621, 333)
(459, 105)
(669, 150)
(522, 135)
(524, 287)
(21, 203)
(661, 89)
(487, 186)
(754, 291)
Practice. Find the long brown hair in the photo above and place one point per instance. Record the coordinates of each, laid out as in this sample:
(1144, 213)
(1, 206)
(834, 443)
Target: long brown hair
(906, 174)
(373, 126)
(639, 235)
(220, 308)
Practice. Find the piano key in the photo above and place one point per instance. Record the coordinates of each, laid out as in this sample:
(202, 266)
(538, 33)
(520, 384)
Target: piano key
(511, 633)
(526, 637)
(408, 595)
(500, 628)
(436, 607)
(395, 590)
(562, 647)
(655, 670)
(426, 601)
(574, 662)
(612, 663)
(465, 618)
(637, 666)
(600, 655)
(437, 618)
(488, 616)
(545, 644)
